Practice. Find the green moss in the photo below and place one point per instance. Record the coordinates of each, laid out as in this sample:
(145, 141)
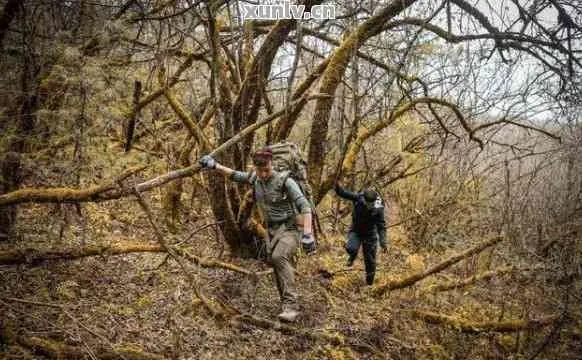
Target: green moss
(143, 302)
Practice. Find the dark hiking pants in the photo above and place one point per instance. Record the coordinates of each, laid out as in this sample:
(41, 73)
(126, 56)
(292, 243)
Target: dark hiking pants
(369, 245)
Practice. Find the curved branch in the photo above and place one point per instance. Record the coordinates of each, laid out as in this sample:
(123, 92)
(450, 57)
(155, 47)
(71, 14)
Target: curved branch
(58, 195)
(514, 123)
(450, 37)
(414, 278)
(191, 124)
(364, 133)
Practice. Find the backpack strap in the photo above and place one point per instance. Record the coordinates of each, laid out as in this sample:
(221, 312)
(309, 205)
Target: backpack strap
(252, 181)
(253, 178)
(285, 175)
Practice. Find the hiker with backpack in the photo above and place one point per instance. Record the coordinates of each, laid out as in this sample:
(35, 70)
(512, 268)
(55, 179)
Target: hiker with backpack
(280, 200)
(368, 228)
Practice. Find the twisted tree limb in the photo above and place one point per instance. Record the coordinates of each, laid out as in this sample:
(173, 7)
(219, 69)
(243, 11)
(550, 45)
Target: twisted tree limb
(414, 278)
(33, 257)
(483, 326)
(60, 195)
(486, 275)
(37, 256)
(57, 350)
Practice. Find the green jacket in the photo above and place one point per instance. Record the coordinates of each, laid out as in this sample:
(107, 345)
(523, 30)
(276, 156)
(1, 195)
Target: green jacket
(279, 196)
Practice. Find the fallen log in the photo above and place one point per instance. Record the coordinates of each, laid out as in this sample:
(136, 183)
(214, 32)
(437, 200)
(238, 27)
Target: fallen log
(66, 195)
(414, 278)
(483, 326)
(34, 256)
(458, 284)
(58, 350)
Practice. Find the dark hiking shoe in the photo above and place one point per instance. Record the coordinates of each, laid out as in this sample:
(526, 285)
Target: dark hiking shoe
(350, 262)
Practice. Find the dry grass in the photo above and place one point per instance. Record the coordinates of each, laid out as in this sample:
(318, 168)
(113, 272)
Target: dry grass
(145, 303)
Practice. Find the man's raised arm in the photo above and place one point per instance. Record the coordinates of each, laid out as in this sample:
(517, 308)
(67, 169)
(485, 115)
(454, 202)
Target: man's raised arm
(346, 194)
(208, 162)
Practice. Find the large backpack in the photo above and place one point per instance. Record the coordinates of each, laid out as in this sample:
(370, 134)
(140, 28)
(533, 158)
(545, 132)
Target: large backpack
(288, 157)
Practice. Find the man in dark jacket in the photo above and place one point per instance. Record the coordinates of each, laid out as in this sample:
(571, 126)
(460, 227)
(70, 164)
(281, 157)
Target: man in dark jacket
(368, 228)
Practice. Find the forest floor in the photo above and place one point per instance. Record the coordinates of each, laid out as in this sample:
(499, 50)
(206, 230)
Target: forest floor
(143, 306)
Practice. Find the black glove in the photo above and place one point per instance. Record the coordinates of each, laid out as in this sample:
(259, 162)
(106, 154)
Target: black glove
(207, 162)
(308, 244)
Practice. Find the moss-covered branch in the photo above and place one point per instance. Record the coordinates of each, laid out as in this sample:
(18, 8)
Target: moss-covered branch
(32, 256)
(58, 350)
(191, 124)
(486, 275)
(36, 256)
(92, 193)
(414, 278)
(331, 78)
(483, 326)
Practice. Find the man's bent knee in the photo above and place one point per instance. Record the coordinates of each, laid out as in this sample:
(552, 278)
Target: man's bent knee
(279, 259)
(353, 251)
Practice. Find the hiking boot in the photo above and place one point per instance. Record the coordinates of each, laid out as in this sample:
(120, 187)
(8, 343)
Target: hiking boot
(350, 262)
(288, 315)
(370, 279)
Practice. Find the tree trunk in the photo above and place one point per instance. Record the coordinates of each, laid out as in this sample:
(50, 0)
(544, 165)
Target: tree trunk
(330, 81)
(9, 180)
(10, 165)
(9, 12)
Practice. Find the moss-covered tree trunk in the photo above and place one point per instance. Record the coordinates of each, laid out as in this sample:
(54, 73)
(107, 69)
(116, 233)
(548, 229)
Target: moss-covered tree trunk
(233, 115)
(9, 181)
(24, 117)
(331, 79)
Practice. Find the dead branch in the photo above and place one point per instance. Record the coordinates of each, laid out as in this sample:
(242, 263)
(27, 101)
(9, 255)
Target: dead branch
(57, 350)
(65, 194)
(484, 326)
(486, 275)
(412, 279)
(214, 263)
(33, 256)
